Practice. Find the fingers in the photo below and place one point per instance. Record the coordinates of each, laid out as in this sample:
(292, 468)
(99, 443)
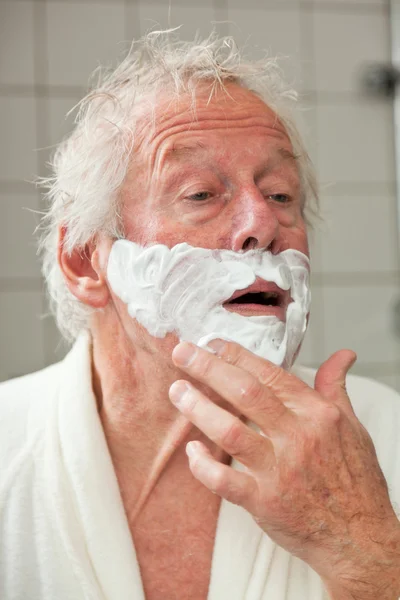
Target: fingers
(234, 486)
(266, 372)
(221, 427)
(236, 385)
(330, 380)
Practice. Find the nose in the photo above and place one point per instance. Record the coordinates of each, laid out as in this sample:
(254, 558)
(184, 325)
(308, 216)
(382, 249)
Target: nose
(255, 224)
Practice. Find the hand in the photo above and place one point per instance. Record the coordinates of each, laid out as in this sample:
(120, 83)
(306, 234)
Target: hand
(311, 480)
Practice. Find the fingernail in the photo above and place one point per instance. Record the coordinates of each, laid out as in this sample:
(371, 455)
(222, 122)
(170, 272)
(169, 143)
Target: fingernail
(191, 448)
(177, 392)
(217, 346)
(184, 353)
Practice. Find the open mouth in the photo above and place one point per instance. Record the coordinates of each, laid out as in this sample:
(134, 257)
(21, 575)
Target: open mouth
(258, 298)
(261, 298)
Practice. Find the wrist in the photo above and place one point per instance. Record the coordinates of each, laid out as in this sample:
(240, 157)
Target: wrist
(372, 572)
(384, 587)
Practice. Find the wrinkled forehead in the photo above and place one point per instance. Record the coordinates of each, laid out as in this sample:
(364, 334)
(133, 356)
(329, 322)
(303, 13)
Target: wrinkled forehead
(206, 108)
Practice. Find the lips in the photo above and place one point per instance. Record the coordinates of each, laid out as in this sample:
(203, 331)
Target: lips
(261, 298)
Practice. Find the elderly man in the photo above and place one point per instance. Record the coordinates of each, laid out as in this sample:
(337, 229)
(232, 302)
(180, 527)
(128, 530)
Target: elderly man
(176, 453)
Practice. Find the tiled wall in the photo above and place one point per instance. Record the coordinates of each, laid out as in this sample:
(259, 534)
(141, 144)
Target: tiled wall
(47, 50)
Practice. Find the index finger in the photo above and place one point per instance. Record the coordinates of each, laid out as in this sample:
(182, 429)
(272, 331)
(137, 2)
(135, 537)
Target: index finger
(281, 382)
(239, 387)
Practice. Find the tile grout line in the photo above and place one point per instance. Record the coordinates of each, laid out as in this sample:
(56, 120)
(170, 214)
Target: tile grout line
(321, 97)
(327, 6)
(131, 10)
(353, 279)
(42, 122)
(40, 90)
(221, 16)
(320, 339)
(21, 284)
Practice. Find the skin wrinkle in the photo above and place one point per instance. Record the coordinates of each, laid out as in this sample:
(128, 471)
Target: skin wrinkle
(209, 125)
(206, 117)
(190, 156)
(206, 112)
(289, 177)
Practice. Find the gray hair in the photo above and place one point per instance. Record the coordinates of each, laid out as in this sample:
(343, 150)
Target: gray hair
(90, 165)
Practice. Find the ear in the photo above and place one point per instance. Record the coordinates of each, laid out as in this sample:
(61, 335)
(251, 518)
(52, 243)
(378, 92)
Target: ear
(84, 277)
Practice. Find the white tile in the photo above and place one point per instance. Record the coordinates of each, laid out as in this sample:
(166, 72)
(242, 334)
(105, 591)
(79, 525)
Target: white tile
(21, 339)
(132, 25)
(305, 116)
(16, 42)
(18, 156)
(276, 32)
(355, 2)
(262, 4)
(312, 347)
(60, 125)
(362, 319)
(355, 142)
(314, 241)
(309, 353)
(364, 39)
(193, 17)
(359, 234)
(80, 37)
(17, 242)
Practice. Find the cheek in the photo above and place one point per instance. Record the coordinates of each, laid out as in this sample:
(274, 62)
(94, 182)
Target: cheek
(145, 228)
(294, 236)
(162, 229)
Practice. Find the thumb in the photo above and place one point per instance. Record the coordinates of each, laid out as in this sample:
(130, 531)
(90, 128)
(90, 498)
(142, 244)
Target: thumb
(330, 380)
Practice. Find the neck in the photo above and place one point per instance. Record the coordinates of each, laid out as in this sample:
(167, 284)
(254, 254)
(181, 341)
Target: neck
(145, 433)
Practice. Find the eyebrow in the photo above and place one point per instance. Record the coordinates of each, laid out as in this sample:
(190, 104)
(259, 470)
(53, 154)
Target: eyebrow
(179, 151)
(288, 154)
(281, 155)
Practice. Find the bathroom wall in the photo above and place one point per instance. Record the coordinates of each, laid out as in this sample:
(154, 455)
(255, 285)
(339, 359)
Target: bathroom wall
(47, 51)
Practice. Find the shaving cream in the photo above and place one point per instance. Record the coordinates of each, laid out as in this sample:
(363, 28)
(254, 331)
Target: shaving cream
(182, 290)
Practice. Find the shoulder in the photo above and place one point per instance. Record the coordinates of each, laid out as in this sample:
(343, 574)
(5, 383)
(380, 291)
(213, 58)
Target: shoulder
(17, 394)
(23, 403)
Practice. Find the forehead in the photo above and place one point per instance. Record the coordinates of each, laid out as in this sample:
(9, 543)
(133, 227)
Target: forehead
(225, 112)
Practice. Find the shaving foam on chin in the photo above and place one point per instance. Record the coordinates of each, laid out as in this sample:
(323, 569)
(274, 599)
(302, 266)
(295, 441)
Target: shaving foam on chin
(182, 290)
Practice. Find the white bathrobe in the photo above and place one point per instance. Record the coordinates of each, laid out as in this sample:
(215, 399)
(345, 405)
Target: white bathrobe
(63, 531)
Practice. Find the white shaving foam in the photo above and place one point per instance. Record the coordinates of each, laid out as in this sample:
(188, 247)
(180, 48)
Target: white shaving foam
(182, 290)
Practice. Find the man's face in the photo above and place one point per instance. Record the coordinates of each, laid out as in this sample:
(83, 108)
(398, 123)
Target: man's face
(225, 179)
(222, 178)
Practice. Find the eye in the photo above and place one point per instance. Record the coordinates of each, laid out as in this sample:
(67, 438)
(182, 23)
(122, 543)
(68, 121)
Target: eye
(281, 198)
(199, 196)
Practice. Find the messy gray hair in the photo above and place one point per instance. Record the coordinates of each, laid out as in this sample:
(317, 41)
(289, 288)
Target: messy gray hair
(89, 166)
